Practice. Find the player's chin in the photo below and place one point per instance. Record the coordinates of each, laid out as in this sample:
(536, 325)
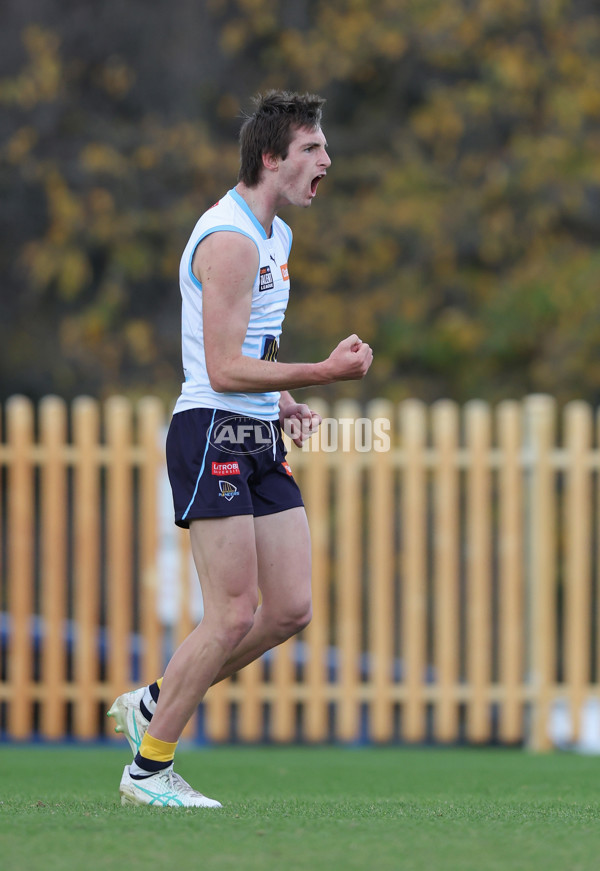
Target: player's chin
(302, 201)
(311, 193)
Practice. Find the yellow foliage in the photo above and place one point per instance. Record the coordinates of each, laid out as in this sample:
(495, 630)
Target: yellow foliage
(516, 66)
(20, 144)
(40, 261)
(74, 273)
(589, 100)
(459, 220)
(233, 37)
(455, 327)
(41, 80)
(438, 123)
(146, 157)
(101, 157)
(101, 201)
(392, 44)
(139, 336)
(228, 106)
(66, 211)
(115, 77)
(65, 266)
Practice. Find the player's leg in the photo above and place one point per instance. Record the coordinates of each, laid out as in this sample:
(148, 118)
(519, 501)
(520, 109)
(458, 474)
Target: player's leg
(283, 565)
(225, 555)
(282, 558)
(284, 578)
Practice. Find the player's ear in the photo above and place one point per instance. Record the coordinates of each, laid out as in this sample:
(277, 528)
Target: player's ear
(270, 162)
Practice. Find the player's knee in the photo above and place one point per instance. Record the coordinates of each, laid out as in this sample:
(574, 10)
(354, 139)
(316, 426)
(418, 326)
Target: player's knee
(238, 621)
(294, 619)
(303, 618)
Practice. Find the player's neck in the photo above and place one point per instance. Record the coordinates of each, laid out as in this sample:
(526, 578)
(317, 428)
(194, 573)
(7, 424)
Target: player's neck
(260, 204)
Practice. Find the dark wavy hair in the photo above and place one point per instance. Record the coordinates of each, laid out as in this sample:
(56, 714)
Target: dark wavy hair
(270, 128)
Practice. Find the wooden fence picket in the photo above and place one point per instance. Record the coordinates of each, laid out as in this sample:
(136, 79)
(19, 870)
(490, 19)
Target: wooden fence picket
(86, 564)
(511, 593)
(413, 532)
(348, 629)
(54, 515)
(478, 595)
(578, 580)
(380, 580)
(445, 422)
(20, 540)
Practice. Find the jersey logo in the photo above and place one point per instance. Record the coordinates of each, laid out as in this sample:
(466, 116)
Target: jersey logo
(286, 466)
(266, 279)
(284, 272)
(232, 468)
(270, 348)
(228, 490)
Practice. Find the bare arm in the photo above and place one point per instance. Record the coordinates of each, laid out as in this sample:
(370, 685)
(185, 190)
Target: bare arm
(226, 264)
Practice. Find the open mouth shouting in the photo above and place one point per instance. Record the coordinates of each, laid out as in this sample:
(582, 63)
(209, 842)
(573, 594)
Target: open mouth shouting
(315, 184)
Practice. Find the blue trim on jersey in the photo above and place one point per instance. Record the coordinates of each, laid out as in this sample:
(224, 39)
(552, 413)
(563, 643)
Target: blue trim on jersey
(266, 317)
(185, 513)
(246, 208)
(227, 227)
(191, 275)
(290, 237)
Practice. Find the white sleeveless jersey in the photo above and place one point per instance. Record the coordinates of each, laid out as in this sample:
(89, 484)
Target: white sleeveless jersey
(269, 301)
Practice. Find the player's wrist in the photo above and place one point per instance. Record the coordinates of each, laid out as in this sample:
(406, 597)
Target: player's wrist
(324, 372)
(286, 402)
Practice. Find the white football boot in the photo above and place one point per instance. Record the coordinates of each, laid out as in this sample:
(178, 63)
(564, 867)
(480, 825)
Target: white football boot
(163, 789)
(129, 719)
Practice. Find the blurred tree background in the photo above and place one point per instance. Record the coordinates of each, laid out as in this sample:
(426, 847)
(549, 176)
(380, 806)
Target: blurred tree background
(457, 230)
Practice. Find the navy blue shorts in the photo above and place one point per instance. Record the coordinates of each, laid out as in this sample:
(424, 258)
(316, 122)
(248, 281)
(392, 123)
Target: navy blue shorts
(222, 464)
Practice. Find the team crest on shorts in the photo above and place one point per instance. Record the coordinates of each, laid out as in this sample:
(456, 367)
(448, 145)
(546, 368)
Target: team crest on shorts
(228, 490)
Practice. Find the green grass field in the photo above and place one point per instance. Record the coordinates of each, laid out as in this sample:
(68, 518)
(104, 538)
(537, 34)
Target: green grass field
(304, 809)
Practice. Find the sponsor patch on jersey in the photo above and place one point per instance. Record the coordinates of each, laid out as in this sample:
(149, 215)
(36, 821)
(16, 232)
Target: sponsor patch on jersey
(284, 272)
(266, 279)
(232, 468)
(286, 466)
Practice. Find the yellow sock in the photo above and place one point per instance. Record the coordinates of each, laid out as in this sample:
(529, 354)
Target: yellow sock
(159, 682)
(157, 750)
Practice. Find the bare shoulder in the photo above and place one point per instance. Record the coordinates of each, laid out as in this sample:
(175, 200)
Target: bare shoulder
(225, 252)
